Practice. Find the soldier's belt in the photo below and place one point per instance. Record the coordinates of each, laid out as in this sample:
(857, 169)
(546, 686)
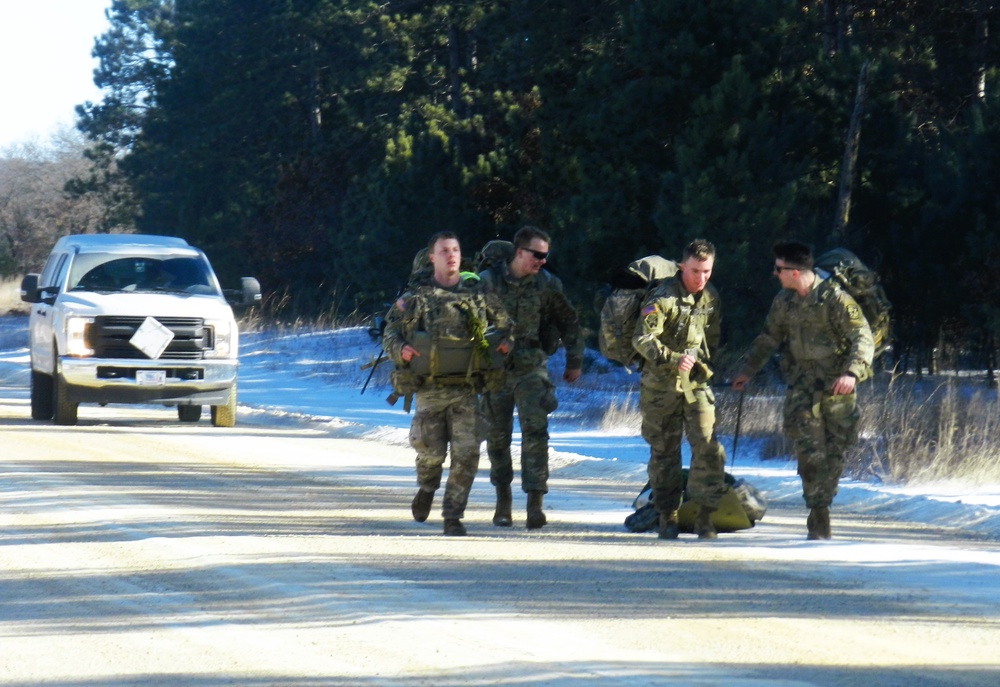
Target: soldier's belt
(442, 356)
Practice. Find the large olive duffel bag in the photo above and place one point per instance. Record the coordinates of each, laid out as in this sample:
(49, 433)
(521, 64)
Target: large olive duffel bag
(443, 357)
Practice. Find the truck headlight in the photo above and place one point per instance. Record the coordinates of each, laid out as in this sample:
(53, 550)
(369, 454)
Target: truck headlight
(222, 338)
(76, 337)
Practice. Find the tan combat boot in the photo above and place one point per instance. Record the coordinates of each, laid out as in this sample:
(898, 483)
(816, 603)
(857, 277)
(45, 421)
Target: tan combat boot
(536, 518)
(453, 527)
(502, 517)
(421, 506)
(703, 526)
(669, 527)
(818, 523)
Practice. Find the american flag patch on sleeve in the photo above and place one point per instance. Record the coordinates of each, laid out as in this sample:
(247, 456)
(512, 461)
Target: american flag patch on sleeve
(649, 309)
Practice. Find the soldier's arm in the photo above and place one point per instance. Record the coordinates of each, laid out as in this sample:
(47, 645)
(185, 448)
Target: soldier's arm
(497, 317)
(393, 339)
(567, 321)
(653, 315)
(853, 327)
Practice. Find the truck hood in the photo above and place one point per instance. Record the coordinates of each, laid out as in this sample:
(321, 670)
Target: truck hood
(144, 304)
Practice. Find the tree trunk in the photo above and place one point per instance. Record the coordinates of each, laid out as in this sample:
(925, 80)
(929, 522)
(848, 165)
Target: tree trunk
(982, 49)
(850, 159)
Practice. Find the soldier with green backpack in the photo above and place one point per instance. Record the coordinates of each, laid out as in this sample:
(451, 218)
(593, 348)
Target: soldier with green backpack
(534, 299)
(677, 334)
(437, 336)
(827, 348)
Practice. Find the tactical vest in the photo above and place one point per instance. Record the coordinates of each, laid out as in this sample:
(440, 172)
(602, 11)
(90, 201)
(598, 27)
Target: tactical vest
(449, 331)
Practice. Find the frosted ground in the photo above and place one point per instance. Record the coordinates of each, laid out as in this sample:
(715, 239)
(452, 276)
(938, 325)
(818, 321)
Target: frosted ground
(317, 376)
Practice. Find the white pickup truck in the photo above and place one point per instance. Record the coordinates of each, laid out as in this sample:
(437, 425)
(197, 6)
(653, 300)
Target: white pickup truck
(132, 318)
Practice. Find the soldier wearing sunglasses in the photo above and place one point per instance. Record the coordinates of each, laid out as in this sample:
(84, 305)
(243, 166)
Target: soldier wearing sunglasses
(827, 348)
(534, 299)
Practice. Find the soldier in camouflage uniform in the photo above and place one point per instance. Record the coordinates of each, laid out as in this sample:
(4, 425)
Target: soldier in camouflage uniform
(677, 334)
(534, 299)
(443, 305)
(826, 348)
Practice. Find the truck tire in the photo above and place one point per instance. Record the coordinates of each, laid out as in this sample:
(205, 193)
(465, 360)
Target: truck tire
(64, 410)
(225, 416)
(41, 396)
(188, 413)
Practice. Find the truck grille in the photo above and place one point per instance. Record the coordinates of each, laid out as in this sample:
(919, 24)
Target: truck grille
(109, 337)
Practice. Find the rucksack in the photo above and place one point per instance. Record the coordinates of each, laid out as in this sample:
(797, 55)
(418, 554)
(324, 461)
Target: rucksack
(493, 253)
(863, 284)
(620, 311)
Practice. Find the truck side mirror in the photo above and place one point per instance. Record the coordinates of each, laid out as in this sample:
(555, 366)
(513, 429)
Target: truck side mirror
(29, 289)
(249, 291)
(248, 294)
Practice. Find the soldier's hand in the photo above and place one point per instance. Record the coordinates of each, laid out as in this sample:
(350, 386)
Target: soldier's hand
(740, 383)
(503, 347)
(571, 375)
(686, 362)
(407, 352)
(844, 384)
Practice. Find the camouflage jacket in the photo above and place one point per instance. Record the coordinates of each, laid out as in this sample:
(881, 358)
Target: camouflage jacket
(673, 322)
(535, 303)
(447, 312)
(821, 336)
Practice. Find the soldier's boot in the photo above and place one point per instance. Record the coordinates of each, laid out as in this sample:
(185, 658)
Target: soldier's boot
(818, 523)
(453, 527)
(669, 527)
(502, 517)
(703, 526)
(536, 518)
(421, 506)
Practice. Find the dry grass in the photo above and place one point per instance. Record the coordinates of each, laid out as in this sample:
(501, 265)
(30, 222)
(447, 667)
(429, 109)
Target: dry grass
(931, 431)
(10, 296)
(281, 312)
(911, 431)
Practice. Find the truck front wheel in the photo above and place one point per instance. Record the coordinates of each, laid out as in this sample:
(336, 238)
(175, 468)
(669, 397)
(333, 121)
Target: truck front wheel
(188, 413)
(64, 410)
(225, 416)
(41, 396)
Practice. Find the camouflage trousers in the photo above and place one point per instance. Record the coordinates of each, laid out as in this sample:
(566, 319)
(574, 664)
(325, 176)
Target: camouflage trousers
(666, 417)
(533, 394)
(447, 415)
(821, 427)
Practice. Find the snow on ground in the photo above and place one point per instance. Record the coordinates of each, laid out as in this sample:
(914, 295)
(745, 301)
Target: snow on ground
(317, 377)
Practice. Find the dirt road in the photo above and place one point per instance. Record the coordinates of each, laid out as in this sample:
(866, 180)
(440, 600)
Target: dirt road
(136, 550)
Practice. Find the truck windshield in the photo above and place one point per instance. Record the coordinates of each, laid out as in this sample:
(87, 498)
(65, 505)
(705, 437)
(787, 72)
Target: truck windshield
(108, 274)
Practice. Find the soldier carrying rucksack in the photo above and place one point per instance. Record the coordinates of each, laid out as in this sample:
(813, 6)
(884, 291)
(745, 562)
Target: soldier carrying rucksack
(827, 349)
(449, 315)
(533, 297)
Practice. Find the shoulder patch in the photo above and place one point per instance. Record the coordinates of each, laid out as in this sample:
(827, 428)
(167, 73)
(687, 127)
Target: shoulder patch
(649, 310)
(854, 312)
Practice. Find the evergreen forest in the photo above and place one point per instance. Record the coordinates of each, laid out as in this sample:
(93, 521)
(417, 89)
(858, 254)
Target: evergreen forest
(317, 144)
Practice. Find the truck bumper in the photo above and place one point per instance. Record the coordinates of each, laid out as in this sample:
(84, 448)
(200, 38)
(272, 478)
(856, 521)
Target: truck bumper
(171, 382)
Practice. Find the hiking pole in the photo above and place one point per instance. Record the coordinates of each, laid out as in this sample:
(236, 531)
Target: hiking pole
(739, 419)
(373, 364)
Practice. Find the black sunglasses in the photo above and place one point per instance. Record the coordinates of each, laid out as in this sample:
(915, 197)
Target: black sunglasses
(539, 255)
(778, 268)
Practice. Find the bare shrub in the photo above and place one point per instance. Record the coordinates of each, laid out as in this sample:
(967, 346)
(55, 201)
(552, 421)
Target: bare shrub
(622, 414)
(912, 431)
(10, 297)
(916, 431)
